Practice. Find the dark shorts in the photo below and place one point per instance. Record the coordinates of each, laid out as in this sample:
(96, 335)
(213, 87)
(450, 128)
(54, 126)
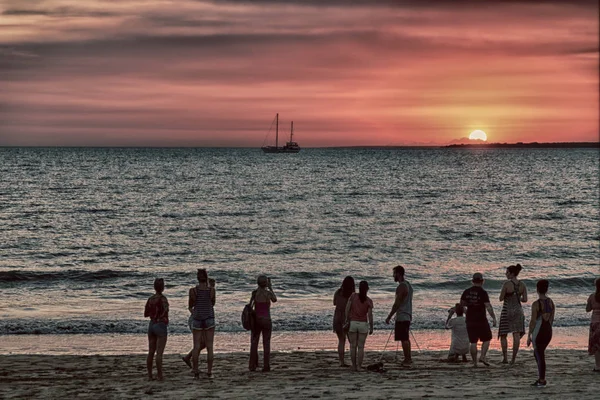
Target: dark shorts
(479, 332)
(401, 330)
(157, 329)
(202, 325)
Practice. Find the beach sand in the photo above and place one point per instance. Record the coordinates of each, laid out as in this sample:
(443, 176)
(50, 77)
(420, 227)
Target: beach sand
(294, 375)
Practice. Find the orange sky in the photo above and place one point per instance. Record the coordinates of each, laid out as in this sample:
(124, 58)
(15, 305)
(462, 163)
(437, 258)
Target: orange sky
(214, 73)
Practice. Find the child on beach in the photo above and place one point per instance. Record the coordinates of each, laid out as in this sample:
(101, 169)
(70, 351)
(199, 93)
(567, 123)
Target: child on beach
(460, 339)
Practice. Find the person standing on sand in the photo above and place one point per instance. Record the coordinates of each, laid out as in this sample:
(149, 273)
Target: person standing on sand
(512, 319)
(201, 302)
(402, 308)
(157, 309)
(340, 300)
(187, 359)
(359, 320)
(477, 301)
(593, 304)
(262, 298)
(540, 329)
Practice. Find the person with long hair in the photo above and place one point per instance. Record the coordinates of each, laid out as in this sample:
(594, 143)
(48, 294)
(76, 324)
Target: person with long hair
(157, 309)
(512, 318)
(340, 300)
(593, 305)
(359, 317)
(262, 298)
(540, 329)
(201, 302)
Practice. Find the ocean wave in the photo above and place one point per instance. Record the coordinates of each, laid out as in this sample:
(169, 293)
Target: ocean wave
(74, 275)
(288, 323)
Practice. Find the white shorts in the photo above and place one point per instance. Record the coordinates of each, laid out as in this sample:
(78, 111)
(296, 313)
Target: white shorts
(359, 326)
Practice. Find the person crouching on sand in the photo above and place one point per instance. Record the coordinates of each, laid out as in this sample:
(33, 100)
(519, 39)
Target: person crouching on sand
(340, 300)
(157, 308)
(540, 329)
(593, 304)
(262, 297)
(459, 345)
(359, 322)
(201, 302)
(477, 301)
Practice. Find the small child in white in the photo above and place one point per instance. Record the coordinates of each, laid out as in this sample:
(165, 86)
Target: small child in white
(460, 339)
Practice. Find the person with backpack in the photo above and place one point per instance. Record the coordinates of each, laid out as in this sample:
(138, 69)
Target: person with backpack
(261, 299)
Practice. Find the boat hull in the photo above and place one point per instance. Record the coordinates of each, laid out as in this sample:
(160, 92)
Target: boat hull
(273, 149)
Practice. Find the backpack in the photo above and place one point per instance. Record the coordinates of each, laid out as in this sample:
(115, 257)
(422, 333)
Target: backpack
(248, 314)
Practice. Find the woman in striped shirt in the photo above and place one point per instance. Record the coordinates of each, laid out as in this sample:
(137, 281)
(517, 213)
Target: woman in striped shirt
(201, 304)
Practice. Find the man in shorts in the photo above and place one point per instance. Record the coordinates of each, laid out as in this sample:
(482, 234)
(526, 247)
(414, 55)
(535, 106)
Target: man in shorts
(477, 301)
(402, 309)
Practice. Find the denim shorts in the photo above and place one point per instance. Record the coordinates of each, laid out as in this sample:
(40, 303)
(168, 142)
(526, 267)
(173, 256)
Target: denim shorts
(204, 324)
(157, 329)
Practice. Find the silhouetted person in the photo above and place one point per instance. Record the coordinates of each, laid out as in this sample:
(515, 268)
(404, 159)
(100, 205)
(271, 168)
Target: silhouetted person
(402, 309)
(340, 300)
(157, 309)
(459, 346)
(593, 304)
(477, 301)
(512, 319)
(540, 329)
(262, 298)
(201, 302)
(359, 314)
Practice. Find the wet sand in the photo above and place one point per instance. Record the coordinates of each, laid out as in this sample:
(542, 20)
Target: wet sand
(309, 374)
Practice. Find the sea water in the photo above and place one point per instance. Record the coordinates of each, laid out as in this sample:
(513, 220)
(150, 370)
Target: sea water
(84, 231)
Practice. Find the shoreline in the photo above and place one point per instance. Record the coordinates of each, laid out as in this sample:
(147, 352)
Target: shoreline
(297, 375)
(566, 338)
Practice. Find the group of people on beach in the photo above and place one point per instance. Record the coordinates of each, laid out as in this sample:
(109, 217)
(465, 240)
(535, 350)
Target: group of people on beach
(353, 320)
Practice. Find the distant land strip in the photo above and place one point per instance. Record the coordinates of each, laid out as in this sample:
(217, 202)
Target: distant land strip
(560, 145)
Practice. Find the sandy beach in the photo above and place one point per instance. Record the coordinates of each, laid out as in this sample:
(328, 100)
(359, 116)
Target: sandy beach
(296, 375)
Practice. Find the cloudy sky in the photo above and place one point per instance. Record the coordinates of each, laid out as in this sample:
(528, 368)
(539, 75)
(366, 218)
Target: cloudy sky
(347, 72)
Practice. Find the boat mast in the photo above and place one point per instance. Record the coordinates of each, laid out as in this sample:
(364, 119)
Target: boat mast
(292, 132)
(276, 130)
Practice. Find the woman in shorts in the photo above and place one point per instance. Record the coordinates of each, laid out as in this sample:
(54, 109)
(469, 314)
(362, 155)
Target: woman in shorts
(157, 309)
(359, 318)
(201, 304)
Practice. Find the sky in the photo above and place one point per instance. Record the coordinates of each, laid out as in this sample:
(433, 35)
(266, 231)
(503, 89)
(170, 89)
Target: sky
(347, 72)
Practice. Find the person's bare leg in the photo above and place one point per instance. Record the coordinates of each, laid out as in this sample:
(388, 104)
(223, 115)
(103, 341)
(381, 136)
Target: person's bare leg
(161, 342)
(473, 350)
(516, 343)
(209, 336)
(504, 344)
(151, 351)
(341, 348)
(362, 338)
(353, 338)
(406, 351)
(484, 348)
(196, 352)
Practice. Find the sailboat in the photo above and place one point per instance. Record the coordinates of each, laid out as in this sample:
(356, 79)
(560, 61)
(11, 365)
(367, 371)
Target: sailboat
(290, 147)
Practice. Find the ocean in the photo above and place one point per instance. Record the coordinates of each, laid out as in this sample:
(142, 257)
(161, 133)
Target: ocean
(86, 230)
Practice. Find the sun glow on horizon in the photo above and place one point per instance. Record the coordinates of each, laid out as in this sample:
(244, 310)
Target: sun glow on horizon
(478, 135)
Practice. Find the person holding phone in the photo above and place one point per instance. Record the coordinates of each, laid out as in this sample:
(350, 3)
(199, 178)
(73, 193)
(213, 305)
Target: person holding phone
(262, 297)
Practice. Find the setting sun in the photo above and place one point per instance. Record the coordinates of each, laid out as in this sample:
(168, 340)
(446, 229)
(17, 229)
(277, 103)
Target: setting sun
(478, 135)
